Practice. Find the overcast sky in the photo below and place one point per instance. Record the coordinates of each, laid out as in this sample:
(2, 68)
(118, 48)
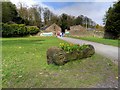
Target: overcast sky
(94, 9)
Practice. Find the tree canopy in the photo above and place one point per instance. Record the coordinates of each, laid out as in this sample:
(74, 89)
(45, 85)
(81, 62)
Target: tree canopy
(40, 17)
(112, 22)
(9, 12)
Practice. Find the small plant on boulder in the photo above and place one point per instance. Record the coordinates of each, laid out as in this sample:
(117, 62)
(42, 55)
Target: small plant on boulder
(72, 47)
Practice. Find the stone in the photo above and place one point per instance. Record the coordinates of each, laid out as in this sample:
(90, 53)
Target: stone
(89, 51)
(56, 56)
(73, 55)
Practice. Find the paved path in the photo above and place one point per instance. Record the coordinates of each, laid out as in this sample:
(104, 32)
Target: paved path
(108, 51)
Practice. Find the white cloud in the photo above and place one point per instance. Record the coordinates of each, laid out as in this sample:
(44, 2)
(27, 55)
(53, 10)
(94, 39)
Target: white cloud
(32, 2)
(26, 2)
(92, 10)
(29, 3)
(95, 11)
(77, 0)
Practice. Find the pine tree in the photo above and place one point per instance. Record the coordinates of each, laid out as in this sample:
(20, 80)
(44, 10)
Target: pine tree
(112, 22)
(9, 12)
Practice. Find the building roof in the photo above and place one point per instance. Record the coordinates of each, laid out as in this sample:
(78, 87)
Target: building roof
(45, 27)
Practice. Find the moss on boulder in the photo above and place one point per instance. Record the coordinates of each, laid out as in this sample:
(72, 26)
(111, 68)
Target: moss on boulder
(58, 56)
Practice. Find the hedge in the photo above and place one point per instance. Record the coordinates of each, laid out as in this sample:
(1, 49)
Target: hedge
(32, 29)
(18, 30)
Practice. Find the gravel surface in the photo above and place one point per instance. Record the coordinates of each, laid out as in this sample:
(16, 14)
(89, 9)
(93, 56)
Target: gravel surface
(108, 51)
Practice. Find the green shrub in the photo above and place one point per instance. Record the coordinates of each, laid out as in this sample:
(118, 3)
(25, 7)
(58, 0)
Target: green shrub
(18, 29)
(32, 29)
(13, 30)
(6, 30)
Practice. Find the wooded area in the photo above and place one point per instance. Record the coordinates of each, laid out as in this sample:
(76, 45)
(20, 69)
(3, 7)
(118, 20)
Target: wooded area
(40, 17)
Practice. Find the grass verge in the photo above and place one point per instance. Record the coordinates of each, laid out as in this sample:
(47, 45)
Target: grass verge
(99, 40)
(24, 66)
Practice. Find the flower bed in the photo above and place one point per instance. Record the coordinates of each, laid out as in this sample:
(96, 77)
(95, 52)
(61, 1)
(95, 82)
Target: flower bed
(68, 52)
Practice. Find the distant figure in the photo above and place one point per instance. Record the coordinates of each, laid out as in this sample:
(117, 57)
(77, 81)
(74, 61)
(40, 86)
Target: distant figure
(60, 34)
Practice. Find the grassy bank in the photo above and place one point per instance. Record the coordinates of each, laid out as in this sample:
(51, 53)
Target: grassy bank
(99, 40)
(24, 66)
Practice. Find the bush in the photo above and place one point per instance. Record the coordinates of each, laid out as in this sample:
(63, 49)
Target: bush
(6, 30)
(32, 29)
(12, 30)
(17, 30)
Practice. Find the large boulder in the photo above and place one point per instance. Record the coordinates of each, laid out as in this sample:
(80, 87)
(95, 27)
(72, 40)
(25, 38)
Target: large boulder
(56, 56)
(88, 52)
(73, 55)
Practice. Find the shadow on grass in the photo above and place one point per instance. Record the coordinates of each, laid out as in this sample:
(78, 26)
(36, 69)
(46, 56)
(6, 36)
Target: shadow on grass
(23, 41)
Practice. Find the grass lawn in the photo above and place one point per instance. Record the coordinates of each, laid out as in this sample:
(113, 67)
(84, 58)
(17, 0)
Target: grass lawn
(100, 40)
(24, 66)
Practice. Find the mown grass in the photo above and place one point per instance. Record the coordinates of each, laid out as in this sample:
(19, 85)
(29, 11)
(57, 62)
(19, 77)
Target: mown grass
(24, 66)
(99, 40)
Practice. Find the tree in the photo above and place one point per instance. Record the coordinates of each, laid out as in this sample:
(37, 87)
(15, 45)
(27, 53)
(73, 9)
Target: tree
(112, 22)
(79, 20)
(9, 12)
(54, 19)
(64, 22)
(97, 26)
(40, 9)
(47, 15)
(23, 11)
(36, 15)
(31, 15)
